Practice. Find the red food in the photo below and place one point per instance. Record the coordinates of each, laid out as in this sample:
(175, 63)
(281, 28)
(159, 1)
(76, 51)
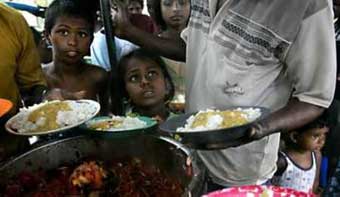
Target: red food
(126, 179)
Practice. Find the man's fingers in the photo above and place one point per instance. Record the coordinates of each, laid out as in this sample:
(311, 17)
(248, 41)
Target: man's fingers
(80, 94)
(73, 95)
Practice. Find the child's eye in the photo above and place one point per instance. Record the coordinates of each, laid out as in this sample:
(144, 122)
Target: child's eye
(182, 2)
(167, 2)
(63, 32)
(152, 75)
(134, 79)
(83, 34)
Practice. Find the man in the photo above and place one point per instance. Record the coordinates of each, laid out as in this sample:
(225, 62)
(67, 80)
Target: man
(278, 54)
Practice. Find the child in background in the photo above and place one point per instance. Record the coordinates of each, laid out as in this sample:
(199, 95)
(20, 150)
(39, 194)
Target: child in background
(135, 6)
(69, 27)
(172, 16)
(299, 162)
(146, 84)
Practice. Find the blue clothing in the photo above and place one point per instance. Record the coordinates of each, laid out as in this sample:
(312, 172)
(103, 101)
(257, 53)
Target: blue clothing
(37, 11)
(100, 54)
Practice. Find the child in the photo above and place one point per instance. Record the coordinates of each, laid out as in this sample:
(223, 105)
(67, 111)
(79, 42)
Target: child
(299, 162)
(146, 84)
(135, 6)
(172, 16)
(69, 27)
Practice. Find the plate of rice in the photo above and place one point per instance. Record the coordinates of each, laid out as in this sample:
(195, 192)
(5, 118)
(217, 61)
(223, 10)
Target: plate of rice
(52, 117)
(211, 128)
(117, 126)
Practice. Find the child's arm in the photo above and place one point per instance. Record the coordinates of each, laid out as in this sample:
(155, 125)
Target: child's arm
(281, 165)
(317, 174)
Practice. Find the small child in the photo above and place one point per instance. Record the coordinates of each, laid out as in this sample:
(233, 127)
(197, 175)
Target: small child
(146, 84)
(69, 27)
(299, 162)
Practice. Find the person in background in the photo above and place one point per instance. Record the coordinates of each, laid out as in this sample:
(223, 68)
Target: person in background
(146, 84)
(20, 69)
(20, 73)
(99, 49)
(151, 9)
(135, 6)
(69, 27)
(273, 54)
(298, 165)
(172, 16)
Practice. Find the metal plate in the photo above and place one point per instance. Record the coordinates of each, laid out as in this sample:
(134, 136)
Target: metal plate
(208, 139)
(91, 104)
(150, 127)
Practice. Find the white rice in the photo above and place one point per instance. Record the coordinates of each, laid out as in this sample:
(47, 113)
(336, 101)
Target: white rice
(128, 123)
(80, 111)
(215, 121)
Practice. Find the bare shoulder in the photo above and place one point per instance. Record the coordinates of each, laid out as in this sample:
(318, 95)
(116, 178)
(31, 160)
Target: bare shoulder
(318, 156)
(96, 73)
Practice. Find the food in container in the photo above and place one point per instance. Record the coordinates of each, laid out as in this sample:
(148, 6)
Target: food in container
(52, 116)
(216, 119)
(116, 123)
(96, 178)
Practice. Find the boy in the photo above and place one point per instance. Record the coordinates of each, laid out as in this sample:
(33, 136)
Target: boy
(69, 27)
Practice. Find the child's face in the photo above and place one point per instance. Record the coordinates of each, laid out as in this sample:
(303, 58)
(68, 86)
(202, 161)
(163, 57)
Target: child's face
(175, 13)
(144, 83)
(135, 7)
(313, 139)
(71, 38)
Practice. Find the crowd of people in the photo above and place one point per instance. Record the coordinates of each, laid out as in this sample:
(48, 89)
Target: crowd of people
(220, 53)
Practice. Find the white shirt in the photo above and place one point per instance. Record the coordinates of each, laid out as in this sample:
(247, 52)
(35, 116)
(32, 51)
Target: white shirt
(257, 53)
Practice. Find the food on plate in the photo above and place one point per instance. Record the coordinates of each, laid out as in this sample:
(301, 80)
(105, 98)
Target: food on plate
(52, 115)
(216, 119)
(131, 177)
(116, 123)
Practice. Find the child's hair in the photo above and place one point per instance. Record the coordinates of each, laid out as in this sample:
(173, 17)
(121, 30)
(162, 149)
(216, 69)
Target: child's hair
(69, 8)
(321, 122)
(138, 1)
(145, 55)
(158, 14)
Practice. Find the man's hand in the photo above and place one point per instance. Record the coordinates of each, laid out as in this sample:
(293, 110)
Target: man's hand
(59, 94)
(255, 132)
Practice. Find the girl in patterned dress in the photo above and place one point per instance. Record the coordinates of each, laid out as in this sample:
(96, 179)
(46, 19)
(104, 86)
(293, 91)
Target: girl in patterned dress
(299, 162)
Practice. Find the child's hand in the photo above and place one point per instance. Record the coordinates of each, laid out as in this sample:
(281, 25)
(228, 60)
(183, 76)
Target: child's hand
(59, 94)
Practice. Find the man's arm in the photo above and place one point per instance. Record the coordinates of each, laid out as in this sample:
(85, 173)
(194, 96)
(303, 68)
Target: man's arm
(294, 115)
(172, 48)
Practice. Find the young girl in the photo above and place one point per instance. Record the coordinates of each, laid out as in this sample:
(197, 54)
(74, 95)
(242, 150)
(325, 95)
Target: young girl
(69, 27)
(299, 162)
(172, 16)
(146, 84)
